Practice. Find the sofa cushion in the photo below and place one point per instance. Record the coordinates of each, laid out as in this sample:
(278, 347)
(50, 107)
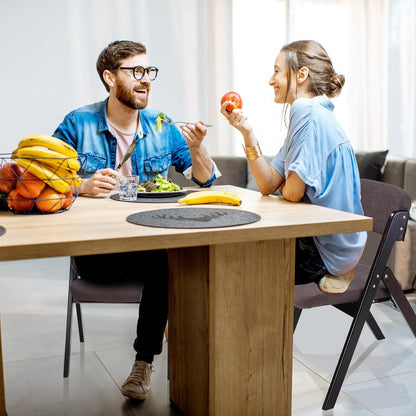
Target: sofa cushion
(403, 258)
(394, 171)
(232, 168)
(410, 177)
(370, 164)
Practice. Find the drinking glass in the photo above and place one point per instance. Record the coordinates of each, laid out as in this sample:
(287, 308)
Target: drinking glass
(127, 187)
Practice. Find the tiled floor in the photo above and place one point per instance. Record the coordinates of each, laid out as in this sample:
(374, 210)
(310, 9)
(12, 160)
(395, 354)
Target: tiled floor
(381, 380)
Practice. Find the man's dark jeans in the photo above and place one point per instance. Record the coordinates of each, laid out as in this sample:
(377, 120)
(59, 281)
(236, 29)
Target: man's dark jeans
(151, 268)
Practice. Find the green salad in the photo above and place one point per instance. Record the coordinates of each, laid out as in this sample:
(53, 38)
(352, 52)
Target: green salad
(159, 184)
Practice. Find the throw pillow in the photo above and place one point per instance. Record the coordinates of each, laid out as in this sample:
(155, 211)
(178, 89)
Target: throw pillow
(370, 164)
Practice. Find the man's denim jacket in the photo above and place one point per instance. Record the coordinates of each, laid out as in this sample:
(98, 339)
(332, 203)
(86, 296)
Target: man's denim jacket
(86, 129)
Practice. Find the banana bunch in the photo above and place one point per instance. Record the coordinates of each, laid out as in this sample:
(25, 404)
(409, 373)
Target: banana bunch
(211, 197)
(50, 159)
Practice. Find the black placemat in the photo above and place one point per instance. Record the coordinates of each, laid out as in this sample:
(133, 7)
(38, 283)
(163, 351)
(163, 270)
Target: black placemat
(154, 199)
(2, 230)
(193, 217)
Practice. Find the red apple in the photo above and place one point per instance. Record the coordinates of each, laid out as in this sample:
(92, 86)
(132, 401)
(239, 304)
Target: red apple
(234, 101)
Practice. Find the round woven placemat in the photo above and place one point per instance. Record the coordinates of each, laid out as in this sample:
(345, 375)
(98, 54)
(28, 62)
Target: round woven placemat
(2, 230)
(194, 217)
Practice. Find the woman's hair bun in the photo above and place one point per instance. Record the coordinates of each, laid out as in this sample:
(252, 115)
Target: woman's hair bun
(337, 82)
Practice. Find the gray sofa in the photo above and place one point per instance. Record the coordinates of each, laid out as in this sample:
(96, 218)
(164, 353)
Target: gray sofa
(400, 172)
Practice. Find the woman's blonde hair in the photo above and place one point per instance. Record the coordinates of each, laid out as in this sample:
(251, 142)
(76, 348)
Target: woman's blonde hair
(311, 54)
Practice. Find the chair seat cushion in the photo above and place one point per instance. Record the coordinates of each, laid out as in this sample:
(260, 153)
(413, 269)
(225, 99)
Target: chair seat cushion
(309, 296)
(84, 290)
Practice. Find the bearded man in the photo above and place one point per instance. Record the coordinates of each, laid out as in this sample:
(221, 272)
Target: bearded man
(102, 132)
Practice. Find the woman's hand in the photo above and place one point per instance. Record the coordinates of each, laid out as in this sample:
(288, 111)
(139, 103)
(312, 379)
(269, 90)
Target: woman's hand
(237, 119)
(102, 182)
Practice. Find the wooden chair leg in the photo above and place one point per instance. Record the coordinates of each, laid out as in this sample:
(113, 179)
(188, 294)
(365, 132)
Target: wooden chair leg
(375, 329)
(344, 361)
(350, 345)
(351, 310)
(400, 299)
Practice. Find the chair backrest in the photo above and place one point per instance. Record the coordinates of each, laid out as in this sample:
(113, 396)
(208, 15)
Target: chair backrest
(380, 200)
(388, 205)
(114, 291)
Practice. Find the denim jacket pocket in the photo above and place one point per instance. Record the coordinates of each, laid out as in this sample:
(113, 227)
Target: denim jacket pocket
(92, 164)
(158, 164)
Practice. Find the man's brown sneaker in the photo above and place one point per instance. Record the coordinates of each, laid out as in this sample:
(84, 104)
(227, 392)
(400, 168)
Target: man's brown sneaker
(137, 385)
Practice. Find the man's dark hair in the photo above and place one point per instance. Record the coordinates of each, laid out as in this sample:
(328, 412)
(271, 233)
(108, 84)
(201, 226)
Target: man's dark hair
(111, 57)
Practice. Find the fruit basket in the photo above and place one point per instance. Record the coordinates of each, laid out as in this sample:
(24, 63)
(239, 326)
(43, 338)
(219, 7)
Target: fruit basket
(23, 192)
(37, 180)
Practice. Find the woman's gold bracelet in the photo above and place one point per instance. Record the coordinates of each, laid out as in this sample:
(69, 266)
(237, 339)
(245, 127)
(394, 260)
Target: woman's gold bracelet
(253, 152)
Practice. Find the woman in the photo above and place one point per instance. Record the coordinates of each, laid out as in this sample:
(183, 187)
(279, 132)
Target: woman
(316, 163)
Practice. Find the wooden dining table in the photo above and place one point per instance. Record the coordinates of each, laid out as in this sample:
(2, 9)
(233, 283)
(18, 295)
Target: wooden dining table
(231, 290)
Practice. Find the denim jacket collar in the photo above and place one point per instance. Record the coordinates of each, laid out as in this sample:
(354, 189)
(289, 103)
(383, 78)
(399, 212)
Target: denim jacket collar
(103, 121)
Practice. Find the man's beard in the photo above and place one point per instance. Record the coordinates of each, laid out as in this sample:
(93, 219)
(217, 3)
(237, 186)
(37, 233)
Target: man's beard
(129, 98)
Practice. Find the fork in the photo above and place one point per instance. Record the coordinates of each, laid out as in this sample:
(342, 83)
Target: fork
(183, 122)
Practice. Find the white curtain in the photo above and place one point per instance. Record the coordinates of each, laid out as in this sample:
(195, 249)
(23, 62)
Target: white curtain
(205, 48)
(401, 98)
(354, 34)
(373, 42)
(189, 40)
(50, 49)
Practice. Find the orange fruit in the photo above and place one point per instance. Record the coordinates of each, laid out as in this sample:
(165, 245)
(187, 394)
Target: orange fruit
(19, 203)
(29, 185)
(49, 200)
(9, 173)
(67, 199)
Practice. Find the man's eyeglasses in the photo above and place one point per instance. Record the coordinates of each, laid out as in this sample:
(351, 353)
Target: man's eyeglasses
(139, 71)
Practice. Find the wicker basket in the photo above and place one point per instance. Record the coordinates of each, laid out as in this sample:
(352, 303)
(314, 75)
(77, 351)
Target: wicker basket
(22, 192)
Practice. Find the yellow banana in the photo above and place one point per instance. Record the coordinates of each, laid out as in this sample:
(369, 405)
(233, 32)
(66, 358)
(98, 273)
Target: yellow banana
(47, 175)
(50, 142)
(75, 181)
(61, 171)
(211, 197)
(48, 157)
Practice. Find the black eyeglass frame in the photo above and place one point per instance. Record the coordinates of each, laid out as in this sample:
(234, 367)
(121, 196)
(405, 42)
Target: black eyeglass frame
(145, 70)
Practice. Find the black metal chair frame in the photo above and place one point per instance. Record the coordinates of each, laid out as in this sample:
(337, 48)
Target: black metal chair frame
(372, 292)
(132, 298)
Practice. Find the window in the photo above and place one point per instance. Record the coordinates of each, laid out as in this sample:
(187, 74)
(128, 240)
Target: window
(372, 46)
(259, 30)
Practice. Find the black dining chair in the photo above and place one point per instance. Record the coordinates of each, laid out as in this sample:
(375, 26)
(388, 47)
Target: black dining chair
(83, 290)
(389, 206)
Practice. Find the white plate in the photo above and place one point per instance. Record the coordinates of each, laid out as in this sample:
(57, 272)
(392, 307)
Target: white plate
(162, 194)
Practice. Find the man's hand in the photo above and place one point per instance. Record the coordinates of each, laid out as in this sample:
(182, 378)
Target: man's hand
(102, 182)
(194, 134)
(201, 161)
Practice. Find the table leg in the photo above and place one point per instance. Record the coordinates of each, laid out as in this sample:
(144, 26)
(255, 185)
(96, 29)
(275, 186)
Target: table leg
(3, 411)
(230, 328)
